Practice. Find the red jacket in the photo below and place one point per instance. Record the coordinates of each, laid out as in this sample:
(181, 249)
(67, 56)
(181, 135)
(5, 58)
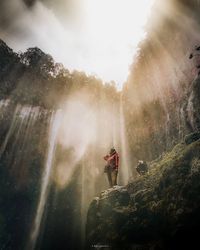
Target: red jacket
(112, 160)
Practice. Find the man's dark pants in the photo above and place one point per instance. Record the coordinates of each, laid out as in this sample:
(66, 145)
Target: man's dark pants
(112, 176)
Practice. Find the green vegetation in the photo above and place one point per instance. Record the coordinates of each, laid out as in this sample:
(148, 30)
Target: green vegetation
(161, 204)
(34, 78)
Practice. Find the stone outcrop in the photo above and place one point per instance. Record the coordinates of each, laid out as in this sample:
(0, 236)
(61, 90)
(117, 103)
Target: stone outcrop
(160, 210)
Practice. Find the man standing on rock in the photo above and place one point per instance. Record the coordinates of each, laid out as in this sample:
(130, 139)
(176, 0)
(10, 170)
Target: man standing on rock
(111, 168)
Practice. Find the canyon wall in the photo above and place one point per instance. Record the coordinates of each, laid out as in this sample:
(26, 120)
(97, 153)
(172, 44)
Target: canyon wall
(161, 95)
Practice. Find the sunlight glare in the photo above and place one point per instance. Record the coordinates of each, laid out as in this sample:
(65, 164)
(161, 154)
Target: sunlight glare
(114, 29)
(100, 39)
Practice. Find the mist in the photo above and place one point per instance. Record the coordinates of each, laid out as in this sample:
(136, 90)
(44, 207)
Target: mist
(90, 36)
(58, 122)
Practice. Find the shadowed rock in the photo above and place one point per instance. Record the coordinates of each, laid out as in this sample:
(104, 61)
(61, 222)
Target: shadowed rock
(154, 210)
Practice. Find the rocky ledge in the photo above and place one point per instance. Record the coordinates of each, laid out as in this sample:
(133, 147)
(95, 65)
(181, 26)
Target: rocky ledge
(160, 210)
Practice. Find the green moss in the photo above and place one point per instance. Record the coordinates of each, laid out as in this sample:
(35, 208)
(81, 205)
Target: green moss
(161, 200)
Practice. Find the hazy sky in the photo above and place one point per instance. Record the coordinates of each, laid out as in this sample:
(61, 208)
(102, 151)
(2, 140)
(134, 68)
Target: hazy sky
(95, 36)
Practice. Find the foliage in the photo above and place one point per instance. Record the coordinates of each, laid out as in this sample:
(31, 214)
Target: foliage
(34, 78)
(162, 204)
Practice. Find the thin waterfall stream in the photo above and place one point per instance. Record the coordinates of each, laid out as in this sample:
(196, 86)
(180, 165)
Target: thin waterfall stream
(89, 141)
(54, 126)
(125, 168)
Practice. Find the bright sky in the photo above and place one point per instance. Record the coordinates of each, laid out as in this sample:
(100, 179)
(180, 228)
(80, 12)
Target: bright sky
(114, 29)
(100, 39)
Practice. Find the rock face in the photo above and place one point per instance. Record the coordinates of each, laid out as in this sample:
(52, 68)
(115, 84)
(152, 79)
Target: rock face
(192, 137)
(160, 210)
(161, 95)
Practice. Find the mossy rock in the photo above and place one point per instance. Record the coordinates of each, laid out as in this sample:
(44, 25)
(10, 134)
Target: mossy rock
(160, 202)
(192, 137)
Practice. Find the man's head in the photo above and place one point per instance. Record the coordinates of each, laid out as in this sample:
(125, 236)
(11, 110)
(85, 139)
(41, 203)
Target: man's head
(112, 150)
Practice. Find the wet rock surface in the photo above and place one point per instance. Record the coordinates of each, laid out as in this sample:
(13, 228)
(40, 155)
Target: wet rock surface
(157, 211)
(192, 137)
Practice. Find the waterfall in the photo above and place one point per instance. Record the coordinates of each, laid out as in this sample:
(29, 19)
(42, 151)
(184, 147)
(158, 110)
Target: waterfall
(4, 103)
(22, 122)
(190, 111)
(83, 202)
(54, 126)
(167, 127)
(11, 129)
(125, 166)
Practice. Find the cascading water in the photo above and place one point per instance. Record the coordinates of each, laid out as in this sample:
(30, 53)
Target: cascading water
(87, 134)
(11, 129)
(22, 122)
(4, 103)
(190, 111)
(29, 116)
(54, 126)
(125, 168)
(167, 121)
